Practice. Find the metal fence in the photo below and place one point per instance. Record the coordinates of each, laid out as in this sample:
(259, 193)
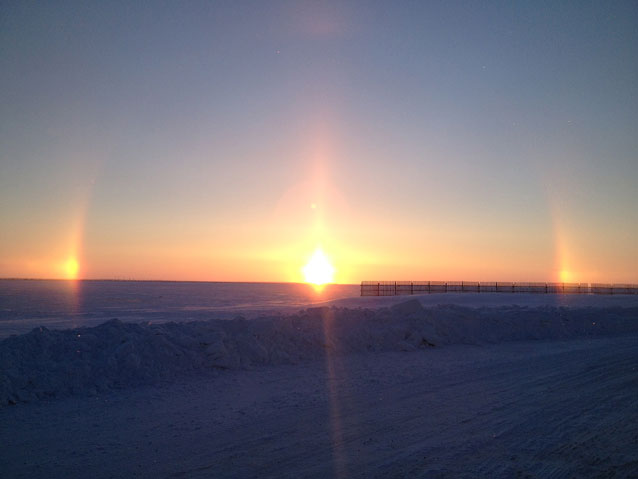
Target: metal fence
(394, 288)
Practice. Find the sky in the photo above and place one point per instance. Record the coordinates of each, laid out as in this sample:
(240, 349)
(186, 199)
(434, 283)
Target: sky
(407, 140)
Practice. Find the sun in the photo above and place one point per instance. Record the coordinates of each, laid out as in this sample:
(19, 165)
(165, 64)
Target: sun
(565, 276)
(318, 270)
(71, 268)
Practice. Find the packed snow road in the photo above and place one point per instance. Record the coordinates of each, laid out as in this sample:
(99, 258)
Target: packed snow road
(517, 409)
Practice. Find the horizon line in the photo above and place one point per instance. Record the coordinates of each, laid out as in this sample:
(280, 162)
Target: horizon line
(167, 281)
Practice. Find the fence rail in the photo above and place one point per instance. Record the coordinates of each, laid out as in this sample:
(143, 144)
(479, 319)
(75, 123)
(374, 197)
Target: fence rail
(394, 288)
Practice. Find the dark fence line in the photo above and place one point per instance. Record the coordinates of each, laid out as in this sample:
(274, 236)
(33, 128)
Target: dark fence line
(394, 288)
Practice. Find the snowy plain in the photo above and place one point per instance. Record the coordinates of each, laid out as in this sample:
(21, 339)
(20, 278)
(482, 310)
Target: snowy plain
(449, 385)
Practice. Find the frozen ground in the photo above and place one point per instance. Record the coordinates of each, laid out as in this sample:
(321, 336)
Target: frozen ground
(405, 391)
(25, 304)
(495, 300)
(523, 409)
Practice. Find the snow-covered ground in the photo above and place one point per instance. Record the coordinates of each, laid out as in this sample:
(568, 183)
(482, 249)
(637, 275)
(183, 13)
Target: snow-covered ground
(493, 300)
(400, 389)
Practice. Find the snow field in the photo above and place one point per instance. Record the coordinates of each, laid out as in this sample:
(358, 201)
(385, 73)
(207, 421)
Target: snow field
(516, 409)
(115, 355)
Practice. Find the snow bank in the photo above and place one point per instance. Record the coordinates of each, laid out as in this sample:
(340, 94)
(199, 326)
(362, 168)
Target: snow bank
(46, 363)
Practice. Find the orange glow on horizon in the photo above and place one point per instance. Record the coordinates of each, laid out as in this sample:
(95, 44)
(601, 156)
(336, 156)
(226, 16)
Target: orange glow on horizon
(277, 242)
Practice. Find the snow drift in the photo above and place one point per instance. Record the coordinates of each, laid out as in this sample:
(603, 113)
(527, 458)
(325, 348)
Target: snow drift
(46, 363)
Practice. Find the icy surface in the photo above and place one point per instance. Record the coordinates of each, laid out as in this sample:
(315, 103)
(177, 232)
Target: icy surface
(52, 363)
(518, 409)
(26, 304)
(406, 389)
(60, 304)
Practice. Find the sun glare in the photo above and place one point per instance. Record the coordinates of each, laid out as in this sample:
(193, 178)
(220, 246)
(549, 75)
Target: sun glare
(565, 276)
(318, 270)
(71, 268)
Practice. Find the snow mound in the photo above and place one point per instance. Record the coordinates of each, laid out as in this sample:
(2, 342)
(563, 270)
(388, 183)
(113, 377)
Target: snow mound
(46, 363)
